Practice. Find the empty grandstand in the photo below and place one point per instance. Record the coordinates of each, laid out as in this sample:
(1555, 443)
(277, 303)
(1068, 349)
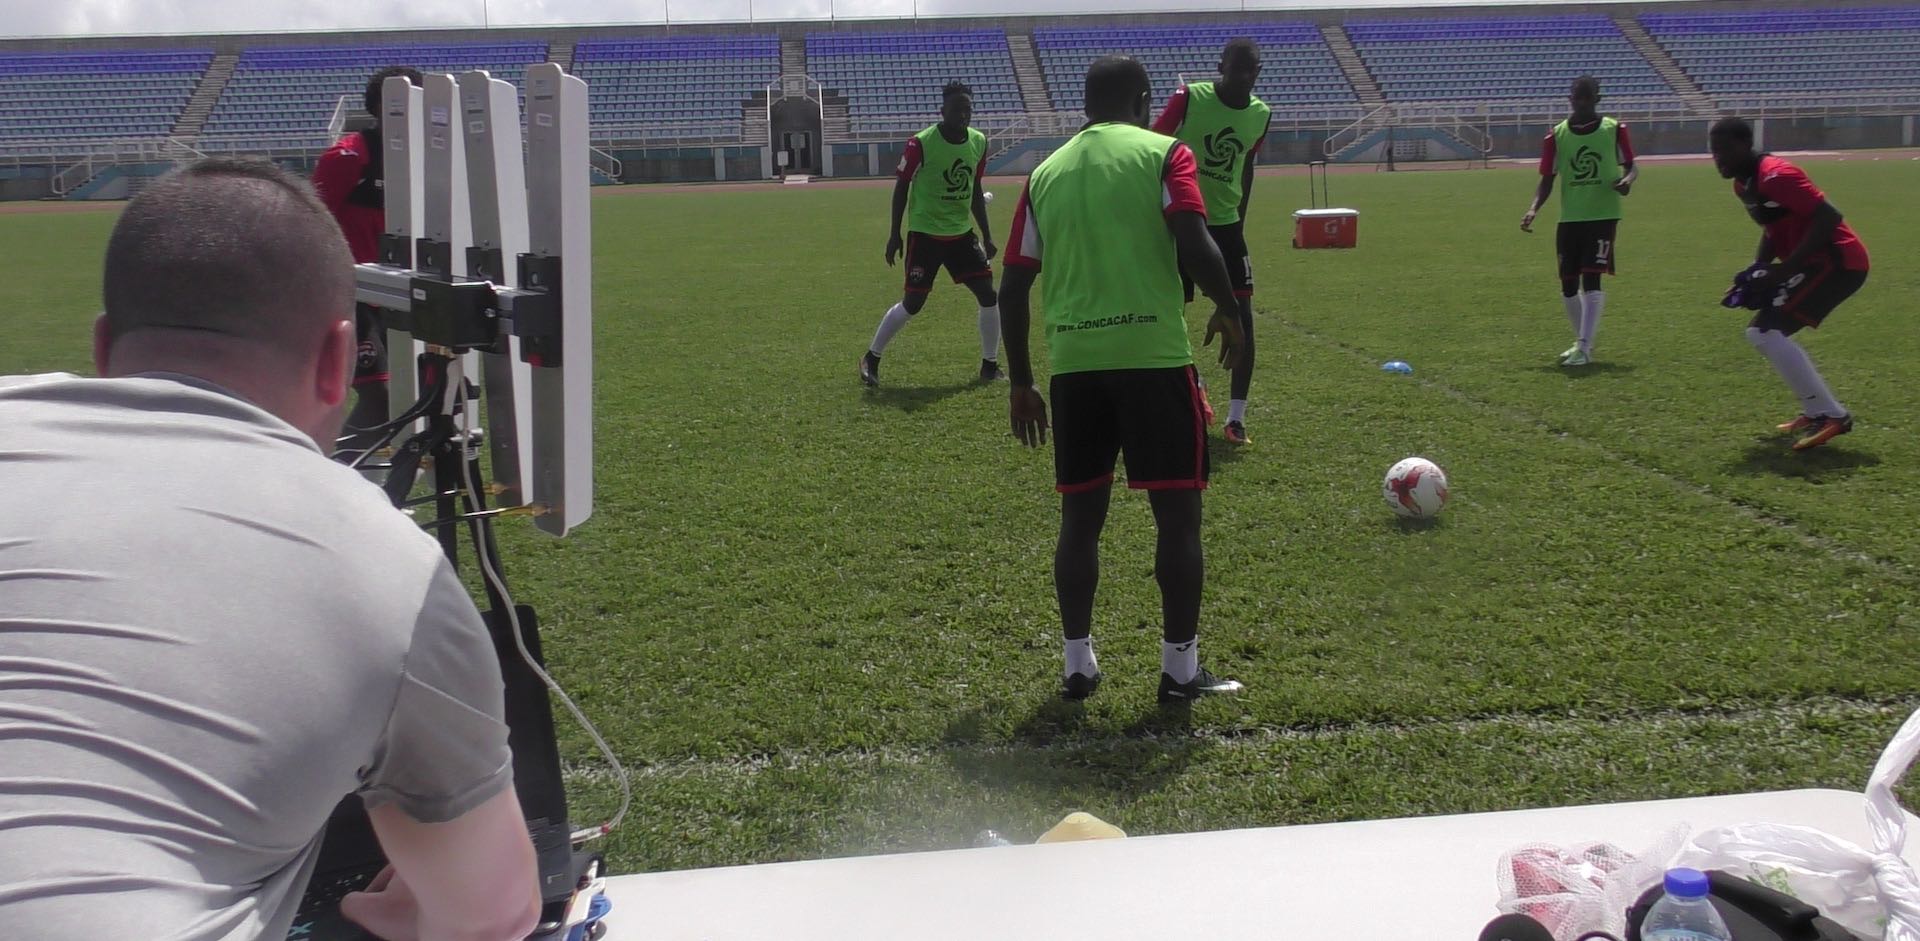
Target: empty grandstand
(1299, 77)
(1502, 59)
(1754, 60)
(288, 94)
(76, 96)
(887, 77)
(684, 86)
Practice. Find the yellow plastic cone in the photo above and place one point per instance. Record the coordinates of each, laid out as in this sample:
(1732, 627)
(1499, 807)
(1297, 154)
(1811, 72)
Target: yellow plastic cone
(1081, 826)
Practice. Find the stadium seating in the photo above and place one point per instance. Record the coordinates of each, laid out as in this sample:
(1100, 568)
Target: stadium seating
(288, 93)
(1502, 59)
(690, 82)
(1299, 73)
(73, 96)
(894, 79)
(1743, 59)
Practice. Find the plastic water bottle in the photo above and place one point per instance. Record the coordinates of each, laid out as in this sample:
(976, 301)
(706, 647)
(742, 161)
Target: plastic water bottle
(1684, 913)
(990, 838)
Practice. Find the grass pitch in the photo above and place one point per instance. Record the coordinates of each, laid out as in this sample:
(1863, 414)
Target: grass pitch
(818, 620)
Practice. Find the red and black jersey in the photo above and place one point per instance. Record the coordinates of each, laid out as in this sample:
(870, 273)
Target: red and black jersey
(349, 179)
(1782, 199)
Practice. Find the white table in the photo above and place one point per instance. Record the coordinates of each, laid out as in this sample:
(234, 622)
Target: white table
(1274, 884)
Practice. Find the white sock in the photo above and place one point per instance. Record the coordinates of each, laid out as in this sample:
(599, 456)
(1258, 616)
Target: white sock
(1080, 658)
(896, 318)
(1575, 316)
(1237, 410)
(990, 333)
(1180, 661)
(1595, 304)
(1793, 364)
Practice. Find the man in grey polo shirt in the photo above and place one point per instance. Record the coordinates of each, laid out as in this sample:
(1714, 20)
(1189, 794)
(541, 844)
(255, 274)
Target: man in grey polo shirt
(209, 632)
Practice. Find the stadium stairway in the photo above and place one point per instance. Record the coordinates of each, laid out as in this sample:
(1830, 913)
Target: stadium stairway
(560, 53)
(1026, 68)
(1364, 87)
(1657, 56)
(205, 95)
(793, 56)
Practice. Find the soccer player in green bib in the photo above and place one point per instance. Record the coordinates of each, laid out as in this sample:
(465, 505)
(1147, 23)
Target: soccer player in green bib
(1115, 213)
(937, 187)
(1225, 125)
(1596, 158)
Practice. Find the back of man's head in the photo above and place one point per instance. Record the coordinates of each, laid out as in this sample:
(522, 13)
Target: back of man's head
(1116, 86)
(239, 249)
(379, 80)
(231, 270)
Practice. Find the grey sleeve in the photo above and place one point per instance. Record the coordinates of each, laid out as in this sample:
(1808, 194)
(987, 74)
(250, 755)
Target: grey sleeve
(445, 748)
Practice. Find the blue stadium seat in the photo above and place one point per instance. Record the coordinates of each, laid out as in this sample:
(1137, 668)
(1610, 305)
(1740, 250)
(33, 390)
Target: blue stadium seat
(695, 85)
(1300, 75)
(1503, 59)
(77, 96)
(289, 92)
(1831, 56)
(894, 79)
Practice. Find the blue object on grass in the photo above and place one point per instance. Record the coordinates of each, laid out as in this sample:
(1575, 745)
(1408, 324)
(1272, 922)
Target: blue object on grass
(1397, 365)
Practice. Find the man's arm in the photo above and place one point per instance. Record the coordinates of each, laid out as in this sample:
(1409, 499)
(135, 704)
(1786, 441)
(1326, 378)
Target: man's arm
(336, 173)
(1185, 212)
(1025, 405)
(1764, 254)
(1246, 175)
(1789, 186)
(440, 790)
(1175, 115)
(902, 183)
(980, 207)
(473, 877)
(1545, 189)
(1016, 314)
(1625, 149)
(1820, 232)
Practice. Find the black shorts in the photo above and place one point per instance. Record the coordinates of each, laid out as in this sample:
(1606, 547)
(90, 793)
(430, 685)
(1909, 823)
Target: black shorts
(370, 364)
(1232, 239)
(1152, 416)
(1585, 247)
(1808, 297)
(961, 255)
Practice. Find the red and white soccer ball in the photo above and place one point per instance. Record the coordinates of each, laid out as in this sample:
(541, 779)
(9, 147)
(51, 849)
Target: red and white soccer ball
(1416, 488)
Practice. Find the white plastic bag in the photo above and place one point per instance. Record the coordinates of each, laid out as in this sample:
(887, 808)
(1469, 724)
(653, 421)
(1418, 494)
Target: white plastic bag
(1871, 893)
(1587, 887)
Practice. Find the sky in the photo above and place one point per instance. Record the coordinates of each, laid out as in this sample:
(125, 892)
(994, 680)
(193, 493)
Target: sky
(29, 18)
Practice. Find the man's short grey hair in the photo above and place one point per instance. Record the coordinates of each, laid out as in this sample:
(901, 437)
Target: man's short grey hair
(234, 247)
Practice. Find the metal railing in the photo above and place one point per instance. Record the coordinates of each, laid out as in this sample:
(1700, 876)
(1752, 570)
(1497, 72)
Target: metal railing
(604, 161)
(103, 154)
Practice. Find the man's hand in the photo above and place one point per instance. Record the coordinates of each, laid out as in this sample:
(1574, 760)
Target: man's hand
(386, 908)
(1225, 324)
(986, 245)
(1623, 186)
(895, 247)
(1526, 221)
(1029, 412)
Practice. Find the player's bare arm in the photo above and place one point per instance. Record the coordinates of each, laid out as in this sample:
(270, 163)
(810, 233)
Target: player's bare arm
(980, 219)
(1201, 257)
(1764, 254)
(894, 243)
(1025, 406)
(1246, 184)
(1625, 184)
(1540, 194)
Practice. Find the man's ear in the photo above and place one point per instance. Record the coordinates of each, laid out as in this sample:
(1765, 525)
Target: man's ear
(333, 368)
